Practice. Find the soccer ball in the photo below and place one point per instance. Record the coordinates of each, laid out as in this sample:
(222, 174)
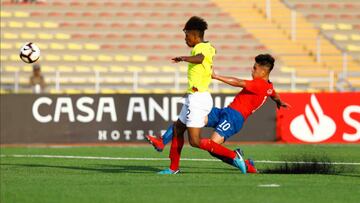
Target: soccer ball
(29, 52)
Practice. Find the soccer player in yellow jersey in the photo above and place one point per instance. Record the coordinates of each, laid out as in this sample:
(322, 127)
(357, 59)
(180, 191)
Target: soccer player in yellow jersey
(198, 101)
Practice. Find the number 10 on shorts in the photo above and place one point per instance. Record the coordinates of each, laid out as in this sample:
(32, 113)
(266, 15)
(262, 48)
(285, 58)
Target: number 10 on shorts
(225, 125)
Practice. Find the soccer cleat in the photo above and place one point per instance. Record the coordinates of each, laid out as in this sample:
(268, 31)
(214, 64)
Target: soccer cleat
(168, 171)
(250, 166)
(239, 161)
(156, 142)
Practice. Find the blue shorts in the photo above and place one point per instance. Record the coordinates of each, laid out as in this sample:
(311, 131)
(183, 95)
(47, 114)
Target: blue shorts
(227, 121)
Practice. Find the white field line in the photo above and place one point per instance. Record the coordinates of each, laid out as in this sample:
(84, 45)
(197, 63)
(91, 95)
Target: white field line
(160, 159)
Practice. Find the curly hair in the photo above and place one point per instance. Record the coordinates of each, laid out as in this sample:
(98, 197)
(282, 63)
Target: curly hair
(196, 23)
(265, 60)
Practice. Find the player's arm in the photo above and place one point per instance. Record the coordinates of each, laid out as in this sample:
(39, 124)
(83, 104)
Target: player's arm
(236, 82)
(279, 102)
(197, 59)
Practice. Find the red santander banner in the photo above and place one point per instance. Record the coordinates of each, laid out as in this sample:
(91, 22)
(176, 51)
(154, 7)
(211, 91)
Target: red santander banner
(319, 118)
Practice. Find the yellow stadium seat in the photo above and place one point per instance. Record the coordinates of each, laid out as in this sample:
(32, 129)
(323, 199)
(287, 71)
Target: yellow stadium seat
(57, 46)
(4, 58)
(112, 80)
(14, 57)
(73, 46)
(124, 91)
(45, 36)
(47, 69)
(100, 68)
(10, 36)
(104, 58)
(72, 91)
(67, 69)
(3, 91)
(159, 91)
(82, 69)
(168, 69)
(3, 24)
(89, 91)
(143, 91)
(91, 46)
(117, 69)
(87, 58)
(340, 37)
(151, 69)
(182, 69)
(128, 80)
(78, 80)
(42, 46)
(20, 14)
(165, 80)
(55, 91)
(353, 47)
(14, 24)
(27, 68)
(62, 36)
(138, 58)
(5, 14)
(11, 69)
(70, 58)
(355, 37)
(33, 24)
(122, 58)
(343, 26)
(27, 36)
(108, 91)
(134, 69)
(50, 57)
(6, 46)
(50, 25)
(24, 80)
(326, 26)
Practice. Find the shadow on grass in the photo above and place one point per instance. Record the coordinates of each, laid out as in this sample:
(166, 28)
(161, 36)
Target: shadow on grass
(97, 168)
(115, 168)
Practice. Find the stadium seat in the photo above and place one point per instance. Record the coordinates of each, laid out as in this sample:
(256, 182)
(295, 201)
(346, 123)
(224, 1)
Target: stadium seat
(134, 69)
(62, 36)
(138, 58)
(74, 46)
(100, 69)
(5, 14)
(12, 69)
(57, 46)
(355, 37)
(71, 58)
(67, 69)
(89, 46)
(340, 37)
(122, 58)
(32, 24)
(50, 57)
(14, 24)
(27, 36)
(8, 35)
(343, 26)
(49, 25)
(6, 46)
(104, 58)
(45, 36)
(20, 14)
(82, 69)
(87, 58)
(117, 69)
(328, 26)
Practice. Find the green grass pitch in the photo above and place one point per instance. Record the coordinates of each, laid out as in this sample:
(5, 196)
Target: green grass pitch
(38, 180)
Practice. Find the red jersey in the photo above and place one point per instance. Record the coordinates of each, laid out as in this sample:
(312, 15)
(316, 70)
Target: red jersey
(252, 96)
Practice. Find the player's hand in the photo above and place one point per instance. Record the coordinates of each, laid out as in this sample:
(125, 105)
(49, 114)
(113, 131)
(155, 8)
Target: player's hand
(177, 59)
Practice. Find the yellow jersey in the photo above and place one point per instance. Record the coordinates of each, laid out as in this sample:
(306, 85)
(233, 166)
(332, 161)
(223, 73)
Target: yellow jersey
(199, 75)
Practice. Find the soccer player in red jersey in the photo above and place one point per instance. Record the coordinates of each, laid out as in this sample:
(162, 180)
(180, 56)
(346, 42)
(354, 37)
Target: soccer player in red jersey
(228, 121)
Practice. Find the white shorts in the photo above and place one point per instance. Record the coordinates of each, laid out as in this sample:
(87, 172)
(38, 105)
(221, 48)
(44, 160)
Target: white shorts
(197, 106)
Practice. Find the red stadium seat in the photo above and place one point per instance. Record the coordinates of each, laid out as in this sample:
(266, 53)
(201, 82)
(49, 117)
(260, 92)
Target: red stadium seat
(146, 36)
(334, 6)
(71, 14)
(317, 6)
(112, 36)
(37, 14)
(123, 46)
(78, 36)
(117, 25)
(75, 3)
(330, 16)
(88, 14)
(109, 4)
(93, 4)
(83, 25)
(108, 46)
(300, 6)
(100, 25)
(122, 14)
(54, 14)
(95, 36)
(105, 14)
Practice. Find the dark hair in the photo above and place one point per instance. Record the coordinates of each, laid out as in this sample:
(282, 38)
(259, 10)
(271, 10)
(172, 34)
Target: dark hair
(196, 23)
(265, 60)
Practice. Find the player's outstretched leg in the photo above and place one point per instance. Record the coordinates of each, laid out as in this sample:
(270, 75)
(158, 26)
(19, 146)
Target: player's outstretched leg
(160, 142)
(220, 151)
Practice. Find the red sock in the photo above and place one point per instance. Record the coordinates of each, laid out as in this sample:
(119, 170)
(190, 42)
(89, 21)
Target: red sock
(215, 148)
(177, 144)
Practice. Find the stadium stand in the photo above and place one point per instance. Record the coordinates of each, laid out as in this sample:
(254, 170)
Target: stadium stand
(108, 46)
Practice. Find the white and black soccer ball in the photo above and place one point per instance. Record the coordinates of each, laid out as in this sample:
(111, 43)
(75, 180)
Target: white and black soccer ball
(29, 52)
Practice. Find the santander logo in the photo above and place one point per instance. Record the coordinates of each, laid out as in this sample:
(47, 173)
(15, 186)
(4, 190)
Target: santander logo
(314, 125)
